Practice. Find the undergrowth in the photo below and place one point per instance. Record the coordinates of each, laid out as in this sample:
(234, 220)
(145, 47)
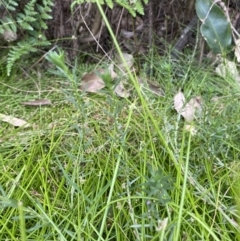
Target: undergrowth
(100, 167)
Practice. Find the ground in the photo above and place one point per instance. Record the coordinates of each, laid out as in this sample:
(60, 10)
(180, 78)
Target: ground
(95, 166)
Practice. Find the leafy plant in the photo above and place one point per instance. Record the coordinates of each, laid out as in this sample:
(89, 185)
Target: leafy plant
(215, 28)
(31, 20)
(58, 59)
(158, 185)
(132, 7)
(23, 47)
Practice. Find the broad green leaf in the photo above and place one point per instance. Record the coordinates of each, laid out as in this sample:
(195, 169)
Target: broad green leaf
(215, 27)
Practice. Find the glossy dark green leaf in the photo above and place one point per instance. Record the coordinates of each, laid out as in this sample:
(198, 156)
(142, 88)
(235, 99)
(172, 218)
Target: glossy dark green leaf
(215, 27)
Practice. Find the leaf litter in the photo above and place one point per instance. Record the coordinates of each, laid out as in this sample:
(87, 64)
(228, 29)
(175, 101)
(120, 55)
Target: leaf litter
(93, 82)
(189, 111)
(17, 122)
(129, 59)
(40, 102)
(151, 86)
(121, 91)
(228, 69)
(96, 80)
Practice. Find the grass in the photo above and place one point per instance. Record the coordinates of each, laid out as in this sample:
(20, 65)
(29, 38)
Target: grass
(99, 167)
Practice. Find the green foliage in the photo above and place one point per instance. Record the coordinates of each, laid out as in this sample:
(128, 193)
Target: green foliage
(133, 7)
(22, 48)
(158, 185)
(32, 17)
(136, 7)
(63, 167)
(31, 20)
(58, 59)
(215, 27)
(9, 5)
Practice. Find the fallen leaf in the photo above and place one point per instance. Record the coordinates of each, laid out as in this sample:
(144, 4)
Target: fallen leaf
(121, 91)
(237, 50)
(39, 102)
(156, 89)
(93, 82)
(14, 121)
(189, 111)
(179, 101)
(110, 69)
(153, 87)
(228, 68)
(129, 61)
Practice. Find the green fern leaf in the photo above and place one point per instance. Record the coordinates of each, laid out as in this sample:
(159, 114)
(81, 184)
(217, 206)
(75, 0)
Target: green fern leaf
(10, 5)
(23, 48)
(43, 24)
(139, 8)
(16, 53)
(8, 24)
(109, 3)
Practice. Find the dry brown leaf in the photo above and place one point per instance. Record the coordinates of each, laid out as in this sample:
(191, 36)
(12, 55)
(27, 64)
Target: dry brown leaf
(14, 121)
(155, 88)
(121, 91)
(129, 61)
(39, 102)
(92, 82)
(237, 50)
(179, 101)
(228, 68)
(152, 86)
(189, 111)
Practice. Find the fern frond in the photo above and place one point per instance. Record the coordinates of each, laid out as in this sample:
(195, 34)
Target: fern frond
(125, 4)
(132, 6)
(23, 48)
(10, 5)
(109, 3)
(139, 7)
(29, 16)
(7, 23)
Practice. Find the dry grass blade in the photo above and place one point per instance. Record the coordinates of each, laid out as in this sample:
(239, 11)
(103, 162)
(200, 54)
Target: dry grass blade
(39, 102)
